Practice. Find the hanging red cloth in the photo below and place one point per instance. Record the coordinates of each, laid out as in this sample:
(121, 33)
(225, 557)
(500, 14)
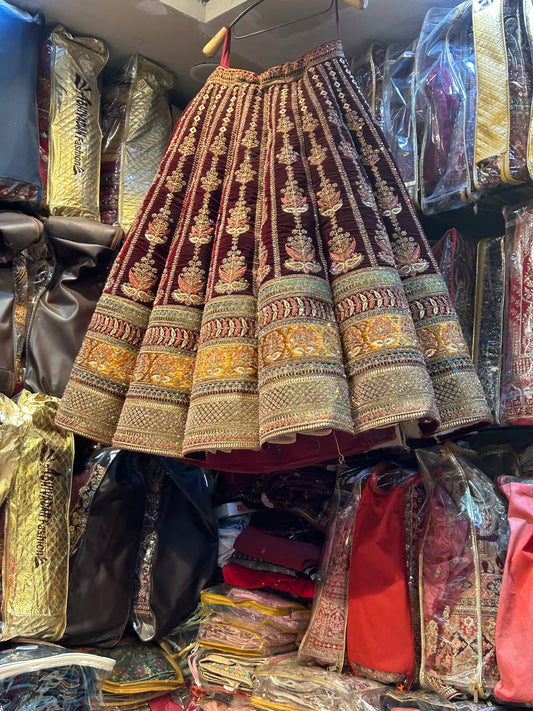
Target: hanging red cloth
(514, 623)
(380, 639)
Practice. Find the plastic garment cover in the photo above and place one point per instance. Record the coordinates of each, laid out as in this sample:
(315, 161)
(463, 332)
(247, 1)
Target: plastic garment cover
(82, 254)
(380, 636)
(182, 639)
(398, 113)
(105, 537)
(20, 180)
(289, 687)
(37, 538)
(456, 257)
(325, 638)
(216, 671)
(515, 613)
(429, 701)
(488, 327)
(136, 124)
(368, 73)
(24, 271)
(462, 557)
(445, 68)
(139, 668)
(504, 91)
(69, 123)
(45, 676)
(516, 406)
(251, 622)
(179, 544)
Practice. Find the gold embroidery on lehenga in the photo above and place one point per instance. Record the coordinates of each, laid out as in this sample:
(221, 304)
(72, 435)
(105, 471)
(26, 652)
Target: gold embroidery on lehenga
(192, 279)
(142, 276)
(232, 270)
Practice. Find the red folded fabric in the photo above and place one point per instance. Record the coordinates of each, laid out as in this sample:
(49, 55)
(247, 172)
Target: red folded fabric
(259, 544)
(514, 623)
(250, 579)
(380, 640)
(165, 703)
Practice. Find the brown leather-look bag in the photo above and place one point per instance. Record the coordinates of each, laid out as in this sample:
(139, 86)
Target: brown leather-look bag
(18, 233)
(83, 252)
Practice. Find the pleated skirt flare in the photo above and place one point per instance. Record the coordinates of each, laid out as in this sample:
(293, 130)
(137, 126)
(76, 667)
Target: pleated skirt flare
(276, 283)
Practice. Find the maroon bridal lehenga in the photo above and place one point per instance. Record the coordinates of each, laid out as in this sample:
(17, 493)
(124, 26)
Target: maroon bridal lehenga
(275, 284)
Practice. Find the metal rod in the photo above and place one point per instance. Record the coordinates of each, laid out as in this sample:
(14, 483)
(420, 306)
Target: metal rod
(276, 27)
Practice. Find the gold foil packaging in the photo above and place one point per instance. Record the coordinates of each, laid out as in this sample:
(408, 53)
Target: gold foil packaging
(137, 124)
(36, 550)
(69, 123)
(13, 425)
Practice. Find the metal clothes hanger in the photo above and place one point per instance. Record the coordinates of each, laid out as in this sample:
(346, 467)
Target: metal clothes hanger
(214, 44)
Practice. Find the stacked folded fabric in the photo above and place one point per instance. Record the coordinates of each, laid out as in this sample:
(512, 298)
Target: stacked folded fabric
(297, 688)
(242, 629)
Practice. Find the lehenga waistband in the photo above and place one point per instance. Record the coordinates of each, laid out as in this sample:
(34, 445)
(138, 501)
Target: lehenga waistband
(289, 71)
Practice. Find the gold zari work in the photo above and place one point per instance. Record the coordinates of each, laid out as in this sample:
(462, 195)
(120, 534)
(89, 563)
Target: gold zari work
(285, 284)
(36, 553)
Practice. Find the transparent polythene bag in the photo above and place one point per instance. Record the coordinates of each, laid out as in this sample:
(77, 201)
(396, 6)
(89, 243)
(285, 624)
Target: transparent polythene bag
(290, 687)
(445, 70)
(488, 326)
(398, 116)
(504, 91)
(255, 610)
(46, 676)
(516, 406)
(462, 556)
(325, 639)
(368, 73)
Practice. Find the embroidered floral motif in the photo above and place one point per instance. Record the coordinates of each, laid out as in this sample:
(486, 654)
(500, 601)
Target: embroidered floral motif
(218, 147)
(158, 229)
(239, 220)
(285, 125)
(309, 123)
(250, 139)
(318, 155)
(168, 369)
(297, 341)
(342, 252)
(211, 181)
(293, 199)
(226, 361)
(369, 155)
(107, 360)
(353, 120)
(188, 144)
(366, 194)
(203, 229)
(388, 202)
(142, 277)
(382, 239)
(245, 172)
(329, 199)
(287, 155)
(300, 249)
(191, 284)
(231, 271)
(175, 181)
(407, 253)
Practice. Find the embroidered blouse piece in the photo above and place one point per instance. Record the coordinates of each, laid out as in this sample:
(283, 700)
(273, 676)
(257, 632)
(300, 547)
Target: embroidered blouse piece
(275, 283)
